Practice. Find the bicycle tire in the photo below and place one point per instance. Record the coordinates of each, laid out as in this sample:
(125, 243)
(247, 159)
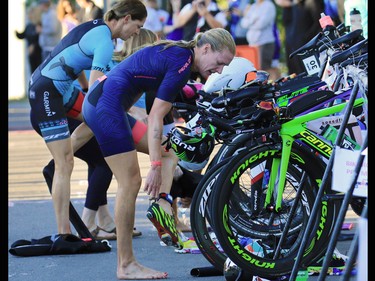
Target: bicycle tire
(262, 263)
(230, 148)
(238, 143)
(200, 220)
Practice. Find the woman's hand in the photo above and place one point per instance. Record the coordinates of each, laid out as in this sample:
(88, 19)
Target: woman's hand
(153, 181)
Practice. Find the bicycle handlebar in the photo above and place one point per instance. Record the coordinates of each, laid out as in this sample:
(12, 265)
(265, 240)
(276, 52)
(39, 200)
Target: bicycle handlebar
(219, 123)
(181, 105)
(235, 96)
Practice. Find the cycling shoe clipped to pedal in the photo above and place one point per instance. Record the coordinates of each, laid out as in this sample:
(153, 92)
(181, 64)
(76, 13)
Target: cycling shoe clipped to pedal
(60, 244)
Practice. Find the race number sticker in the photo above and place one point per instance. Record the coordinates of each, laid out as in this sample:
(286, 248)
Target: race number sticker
(311, 65)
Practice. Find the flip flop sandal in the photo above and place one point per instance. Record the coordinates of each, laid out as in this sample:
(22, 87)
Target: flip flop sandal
(95, 233)
(136, 232)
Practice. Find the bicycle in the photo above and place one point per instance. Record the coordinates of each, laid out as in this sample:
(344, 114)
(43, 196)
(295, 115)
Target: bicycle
(294, 176)
(200, 218)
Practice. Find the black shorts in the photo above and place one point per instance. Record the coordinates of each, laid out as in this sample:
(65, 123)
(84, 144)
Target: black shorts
(47, 108)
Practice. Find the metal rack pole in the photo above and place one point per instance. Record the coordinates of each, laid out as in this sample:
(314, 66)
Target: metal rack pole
(353, 250)
(341, 215)
(324, 182)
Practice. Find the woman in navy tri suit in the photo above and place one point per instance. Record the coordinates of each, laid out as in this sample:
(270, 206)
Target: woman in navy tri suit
(164, 67)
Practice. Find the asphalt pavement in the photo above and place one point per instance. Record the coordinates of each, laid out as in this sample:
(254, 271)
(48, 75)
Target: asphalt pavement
(31, 216)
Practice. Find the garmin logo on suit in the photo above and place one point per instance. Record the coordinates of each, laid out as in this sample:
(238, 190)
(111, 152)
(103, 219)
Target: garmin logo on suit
(46, 104)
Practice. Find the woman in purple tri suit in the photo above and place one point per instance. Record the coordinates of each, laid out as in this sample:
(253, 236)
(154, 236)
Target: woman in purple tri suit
(164, 67)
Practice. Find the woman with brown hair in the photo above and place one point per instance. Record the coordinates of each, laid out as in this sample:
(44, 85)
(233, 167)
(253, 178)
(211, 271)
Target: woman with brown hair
(66, 13)
(53, 96)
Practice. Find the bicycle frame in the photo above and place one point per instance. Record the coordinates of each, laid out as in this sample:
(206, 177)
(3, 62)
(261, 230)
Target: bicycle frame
(294, 130)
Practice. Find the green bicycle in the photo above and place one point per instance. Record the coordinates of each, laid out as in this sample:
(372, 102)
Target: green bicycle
(277, 182)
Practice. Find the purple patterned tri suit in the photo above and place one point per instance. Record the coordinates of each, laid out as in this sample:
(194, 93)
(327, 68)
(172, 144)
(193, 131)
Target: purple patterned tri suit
(150, 69)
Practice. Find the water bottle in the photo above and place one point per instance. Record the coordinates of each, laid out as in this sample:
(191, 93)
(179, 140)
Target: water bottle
(328, 27)
(325, 21)
(330, 33)
(355, 19)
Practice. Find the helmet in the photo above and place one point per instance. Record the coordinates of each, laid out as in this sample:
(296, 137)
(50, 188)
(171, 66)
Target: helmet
(192, 145)
(233, 75)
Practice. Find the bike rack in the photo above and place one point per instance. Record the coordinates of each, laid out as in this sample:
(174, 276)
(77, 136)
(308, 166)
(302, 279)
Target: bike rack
(341, 216)
(322, 188)
(353, 251)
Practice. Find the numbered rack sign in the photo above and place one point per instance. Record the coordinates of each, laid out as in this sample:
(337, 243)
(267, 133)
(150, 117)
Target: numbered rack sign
(311, 64)
(343, 171)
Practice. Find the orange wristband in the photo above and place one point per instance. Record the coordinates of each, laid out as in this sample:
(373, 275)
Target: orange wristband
(156, 163)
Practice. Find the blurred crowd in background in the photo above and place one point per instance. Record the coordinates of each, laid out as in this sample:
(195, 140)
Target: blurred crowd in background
(275, 27)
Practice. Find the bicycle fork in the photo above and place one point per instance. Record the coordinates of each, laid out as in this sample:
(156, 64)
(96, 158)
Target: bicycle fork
(278, 173)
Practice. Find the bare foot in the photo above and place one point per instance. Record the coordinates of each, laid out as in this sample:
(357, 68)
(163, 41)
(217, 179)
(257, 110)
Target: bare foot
(135, 271)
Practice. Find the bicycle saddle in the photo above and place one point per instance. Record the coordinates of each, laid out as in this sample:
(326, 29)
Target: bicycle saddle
(311, 45)
(349, 38)
(356, 60)
(356, 49)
